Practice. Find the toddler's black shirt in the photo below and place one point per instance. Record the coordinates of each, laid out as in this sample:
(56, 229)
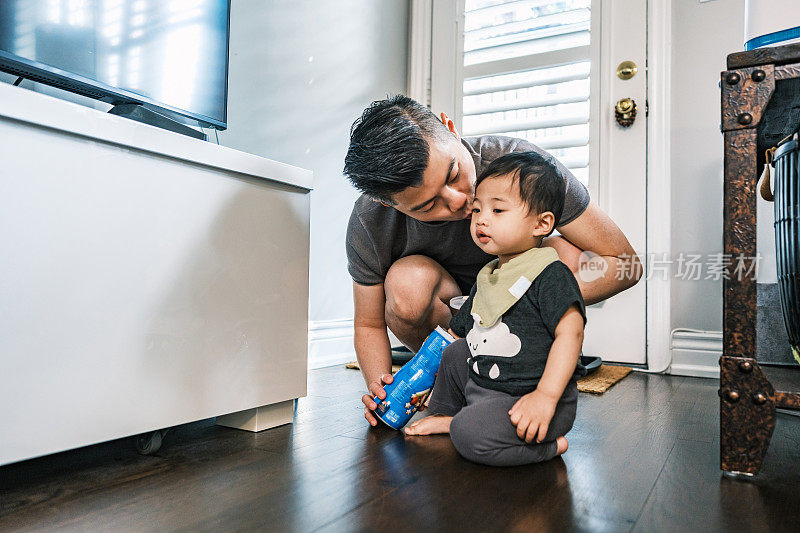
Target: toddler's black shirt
(500, 362)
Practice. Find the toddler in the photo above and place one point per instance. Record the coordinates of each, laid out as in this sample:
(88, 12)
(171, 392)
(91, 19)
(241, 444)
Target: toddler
(506, 390)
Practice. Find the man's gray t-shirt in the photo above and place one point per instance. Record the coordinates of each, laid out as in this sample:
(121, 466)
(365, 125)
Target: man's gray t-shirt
(378, 235)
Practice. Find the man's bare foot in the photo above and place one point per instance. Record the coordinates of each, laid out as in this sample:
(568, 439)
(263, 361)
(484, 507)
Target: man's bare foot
(561, 445)
(430, 425)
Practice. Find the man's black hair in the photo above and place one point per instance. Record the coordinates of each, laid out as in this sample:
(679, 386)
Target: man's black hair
(541, 187)
(389, 146)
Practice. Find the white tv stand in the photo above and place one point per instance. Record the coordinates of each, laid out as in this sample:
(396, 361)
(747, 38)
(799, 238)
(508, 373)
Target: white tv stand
(147, 279)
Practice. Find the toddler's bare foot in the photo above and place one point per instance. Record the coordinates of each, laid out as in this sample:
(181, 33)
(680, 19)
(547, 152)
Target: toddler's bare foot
(561, 445)
(430, 425)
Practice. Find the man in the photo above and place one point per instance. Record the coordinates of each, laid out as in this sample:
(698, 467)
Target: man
(408, 244)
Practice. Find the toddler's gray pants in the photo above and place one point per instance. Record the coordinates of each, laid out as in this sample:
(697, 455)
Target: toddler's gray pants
(481, 429)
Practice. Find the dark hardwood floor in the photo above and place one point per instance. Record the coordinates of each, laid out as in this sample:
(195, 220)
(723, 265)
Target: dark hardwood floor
(642, 457)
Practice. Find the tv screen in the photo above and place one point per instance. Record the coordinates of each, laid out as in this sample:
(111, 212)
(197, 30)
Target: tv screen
(167, 54)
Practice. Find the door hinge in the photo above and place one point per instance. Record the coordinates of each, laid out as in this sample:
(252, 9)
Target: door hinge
(646, 108)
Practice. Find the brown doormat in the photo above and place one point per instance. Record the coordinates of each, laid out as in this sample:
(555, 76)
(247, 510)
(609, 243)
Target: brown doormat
(597, 382)
(603, 379)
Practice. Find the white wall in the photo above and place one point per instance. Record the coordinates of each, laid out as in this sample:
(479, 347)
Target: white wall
(300, 72)
(703, 34)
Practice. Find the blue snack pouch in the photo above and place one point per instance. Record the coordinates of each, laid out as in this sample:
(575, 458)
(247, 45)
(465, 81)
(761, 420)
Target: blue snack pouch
(412, 383)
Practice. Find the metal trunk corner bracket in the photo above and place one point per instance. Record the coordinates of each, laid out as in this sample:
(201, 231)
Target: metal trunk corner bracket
(745, 93)
(760, 99)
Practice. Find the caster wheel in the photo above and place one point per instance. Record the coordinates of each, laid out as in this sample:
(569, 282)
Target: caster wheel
(149, 443)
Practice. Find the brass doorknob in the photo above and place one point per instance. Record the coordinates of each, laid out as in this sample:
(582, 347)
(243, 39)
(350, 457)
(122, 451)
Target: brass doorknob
(625, 112)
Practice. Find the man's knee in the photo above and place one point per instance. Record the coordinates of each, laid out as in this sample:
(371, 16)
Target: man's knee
(410, 287)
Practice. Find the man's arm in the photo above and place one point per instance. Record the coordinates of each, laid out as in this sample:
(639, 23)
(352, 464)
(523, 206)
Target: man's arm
(594, 231)
(371, 341)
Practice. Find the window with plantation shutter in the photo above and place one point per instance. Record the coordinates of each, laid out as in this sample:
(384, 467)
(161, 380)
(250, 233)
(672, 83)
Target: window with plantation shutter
(526, 74)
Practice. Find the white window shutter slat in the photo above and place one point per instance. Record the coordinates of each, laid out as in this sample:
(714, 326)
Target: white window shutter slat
(526, 74)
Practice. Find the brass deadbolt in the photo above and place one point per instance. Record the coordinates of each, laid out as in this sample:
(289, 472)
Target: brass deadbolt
(626, 70)
(625, 112)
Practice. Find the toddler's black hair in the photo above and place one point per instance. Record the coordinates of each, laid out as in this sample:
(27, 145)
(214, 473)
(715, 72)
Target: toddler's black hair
(541, 187)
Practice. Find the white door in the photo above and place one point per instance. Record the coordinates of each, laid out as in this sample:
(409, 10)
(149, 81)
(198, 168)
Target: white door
(616, 328)
(546, 71)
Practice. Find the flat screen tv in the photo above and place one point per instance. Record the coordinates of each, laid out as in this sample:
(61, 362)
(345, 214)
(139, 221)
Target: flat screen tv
(168, 55)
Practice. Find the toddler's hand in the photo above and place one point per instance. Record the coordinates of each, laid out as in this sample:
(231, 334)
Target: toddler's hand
(532, 414)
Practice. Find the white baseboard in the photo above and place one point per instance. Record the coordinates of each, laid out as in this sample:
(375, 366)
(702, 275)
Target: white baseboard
(330, 342)
(695, 353)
